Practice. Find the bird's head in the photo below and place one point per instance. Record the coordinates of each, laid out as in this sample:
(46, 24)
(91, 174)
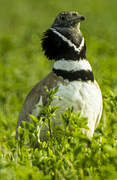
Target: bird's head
(64, 39)
(67, 20)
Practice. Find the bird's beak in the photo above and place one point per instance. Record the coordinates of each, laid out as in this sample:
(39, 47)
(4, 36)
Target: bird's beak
(79, 18)
(76, 20)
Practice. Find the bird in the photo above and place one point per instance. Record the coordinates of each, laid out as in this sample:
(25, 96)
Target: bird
(72, 73)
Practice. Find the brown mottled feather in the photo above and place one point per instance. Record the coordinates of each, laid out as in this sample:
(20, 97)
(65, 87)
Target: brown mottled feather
(50, 81)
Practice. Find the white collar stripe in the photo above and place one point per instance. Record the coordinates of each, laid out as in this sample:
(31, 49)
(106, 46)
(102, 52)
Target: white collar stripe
(69, 42)
(70, 65)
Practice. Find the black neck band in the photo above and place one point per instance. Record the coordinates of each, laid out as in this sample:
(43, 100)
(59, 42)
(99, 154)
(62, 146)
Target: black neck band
(82, 75)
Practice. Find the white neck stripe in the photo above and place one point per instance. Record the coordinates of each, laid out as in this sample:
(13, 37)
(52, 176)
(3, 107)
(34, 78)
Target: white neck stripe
(69, 42)
(70, 65)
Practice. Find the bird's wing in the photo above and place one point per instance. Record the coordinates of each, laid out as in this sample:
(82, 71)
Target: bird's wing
(33, 98)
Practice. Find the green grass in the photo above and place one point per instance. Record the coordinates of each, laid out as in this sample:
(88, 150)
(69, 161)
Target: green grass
(22, 64)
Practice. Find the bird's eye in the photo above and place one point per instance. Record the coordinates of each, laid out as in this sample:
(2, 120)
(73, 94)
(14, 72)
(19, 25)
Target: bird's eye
(74, 14)
(62, 18)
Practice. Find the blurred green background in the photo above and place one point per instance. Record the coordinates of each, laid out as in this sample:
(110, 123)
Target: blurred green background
(22, 63)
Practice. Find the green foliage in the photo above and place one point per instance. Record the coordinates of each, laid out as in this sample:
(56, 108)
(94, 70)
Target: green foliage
(68, 154)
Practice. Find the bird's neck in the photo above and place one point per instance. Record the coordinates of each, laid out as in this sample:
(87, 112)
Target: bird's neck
(74, 70)
(68, 49)
(58, 44)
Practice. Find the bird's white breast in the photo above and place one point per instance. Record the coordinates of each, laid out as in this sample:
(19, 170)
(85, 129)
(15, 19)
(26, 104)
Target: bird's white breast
(85, 97)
